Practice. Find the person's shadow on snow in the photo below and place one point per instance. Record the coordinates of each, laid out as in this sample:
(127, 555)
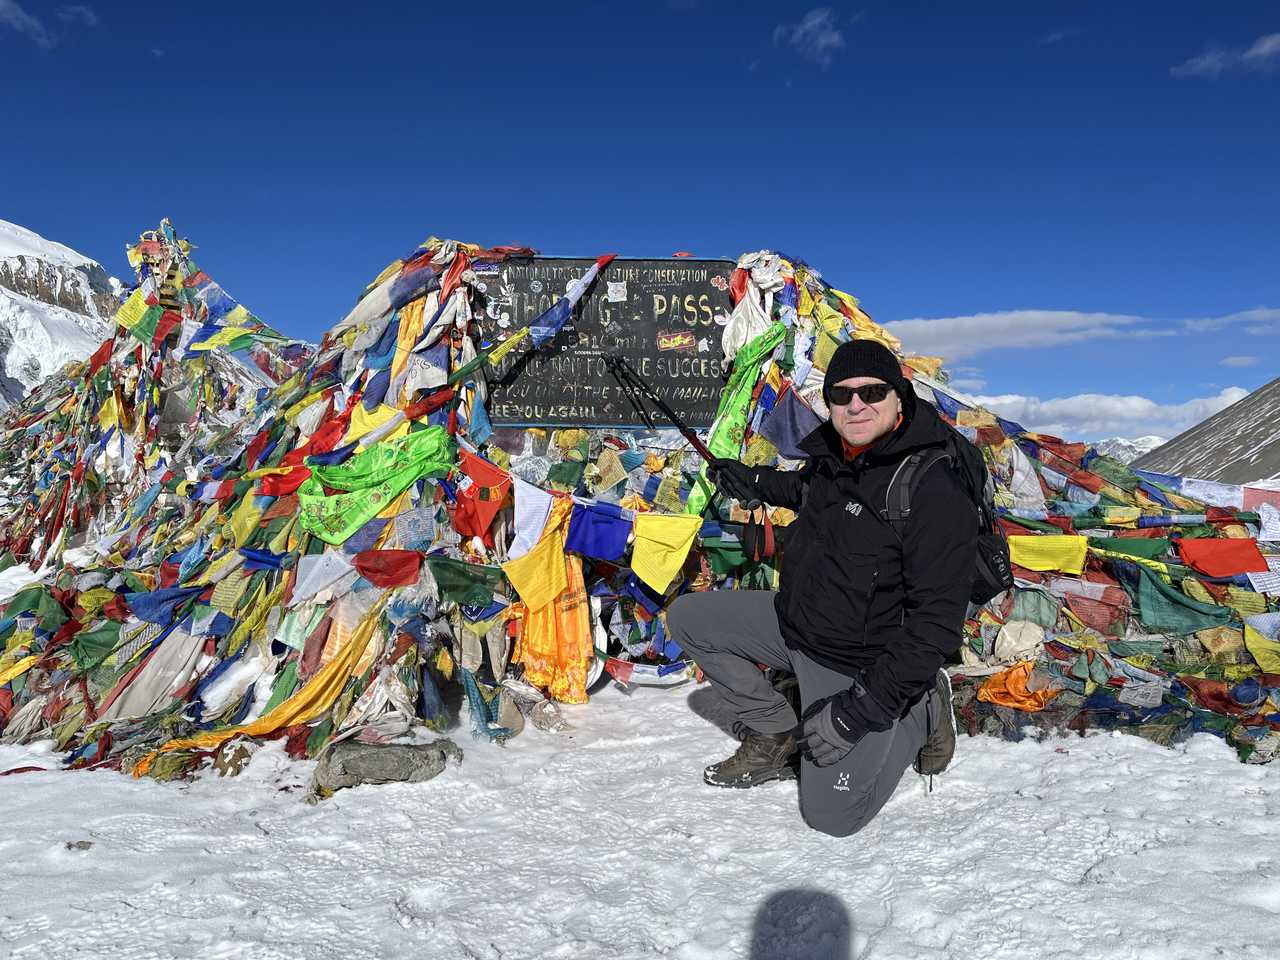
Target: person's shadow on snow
(801, 924)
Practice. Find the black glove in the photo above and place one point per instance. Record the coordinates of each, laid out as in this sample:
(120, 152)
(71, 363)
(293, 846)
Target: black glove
(833, 727)
(735, 480)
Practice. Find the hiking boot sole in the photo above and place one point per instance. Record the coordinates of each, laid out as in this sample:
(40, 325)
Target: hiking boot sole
(790, 771)
(948, 717)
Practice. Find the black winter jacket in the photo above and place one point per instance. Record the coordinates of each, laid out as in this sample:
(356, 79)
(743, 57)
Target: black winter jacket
(853, 596)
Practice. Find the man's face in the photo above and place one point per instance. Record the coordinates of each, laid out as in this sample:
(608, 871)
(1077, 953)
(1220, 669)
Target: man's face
(861, 423)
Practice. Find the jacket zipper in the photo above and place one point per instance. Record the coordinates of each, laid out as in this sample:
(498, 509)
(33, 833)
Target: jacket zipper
(866, 616)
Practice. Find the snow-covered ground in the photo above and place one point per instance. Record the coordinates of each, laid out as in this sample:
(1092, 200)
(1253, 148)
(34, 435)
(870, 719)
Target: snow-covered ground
(604, 843)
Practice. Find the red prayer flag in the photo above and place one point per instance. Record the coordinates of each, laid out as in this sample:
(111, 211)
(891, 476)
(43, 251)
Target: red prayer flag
(1222, 557)
(389, 568)
(480, 499)
(283, 484)
(100, 357)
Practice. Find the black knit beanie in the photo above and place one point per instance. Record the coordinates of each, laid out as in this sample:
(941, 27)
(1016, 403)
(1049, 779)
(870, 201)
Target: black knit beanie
(865, 358)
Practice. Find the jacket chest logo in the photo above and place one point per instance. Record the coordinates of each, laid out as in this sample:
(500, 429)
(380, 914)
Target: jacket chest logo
(853, 507)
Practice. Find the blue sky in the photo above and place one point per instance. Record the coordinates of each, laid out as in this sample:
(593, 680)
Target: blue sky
(1064, 199)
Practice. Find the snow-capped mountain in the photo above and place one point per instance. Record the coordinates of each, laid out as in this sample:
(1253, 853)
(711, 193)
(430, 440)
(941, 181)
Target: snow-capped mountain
(1240, 444)
(55, 306)
(1126, 450)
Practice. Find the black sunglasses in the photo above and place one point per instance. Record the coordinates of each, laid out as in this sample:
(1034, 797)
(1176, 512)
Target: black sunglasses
(867, 393)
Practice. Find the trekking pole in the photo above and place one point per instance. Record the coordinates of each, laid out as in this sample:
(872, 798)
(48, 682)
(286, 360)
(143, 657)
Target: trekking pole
(758, 541)
(634, 386)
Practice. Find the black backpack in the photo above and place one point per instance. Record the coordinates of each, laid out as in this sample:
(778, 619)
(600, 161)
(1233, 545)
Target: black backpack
(992, 572)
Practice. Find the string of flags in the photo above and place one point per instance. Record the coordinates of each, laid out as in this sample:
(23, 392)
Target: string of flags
(239, 536)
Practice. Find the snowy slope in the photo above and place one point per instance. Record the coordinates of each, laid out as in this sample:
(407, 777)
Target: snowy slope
(16, 241)
(604, 844)
(55, 306)
(1125, 450)
(1240, 444)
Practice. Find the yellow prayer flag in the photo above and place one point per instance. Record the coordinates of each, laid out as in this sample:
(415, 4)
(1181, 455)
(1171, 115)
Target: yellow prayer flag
(291, 412)
(412, 319)
(17, 669)
(366, 421)
(1049, 552)
(539, 576)
(132, 310)
(1246, 602)
(221, 338)
(237, 317)
(107, 415)
(499, 352)
(1266, 652)
(1122, 516)
(929, 366)
(975, 418)
(662, 543)
(244, 520)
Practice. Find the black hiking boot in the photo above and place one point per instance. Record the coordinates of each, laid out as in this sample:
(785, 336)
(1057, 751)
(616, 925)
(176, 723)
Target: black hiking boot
(940, 747)
(762, 757)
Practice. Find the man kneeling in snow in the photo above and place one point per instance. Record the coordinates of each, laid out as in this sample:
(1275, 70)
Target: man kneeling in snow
(863, 618)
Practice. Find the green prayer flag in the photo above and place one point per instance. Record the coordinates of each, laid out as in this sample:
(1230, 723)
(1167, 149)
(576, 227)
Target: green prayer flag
(38, 601)
(1162, 608)
(284, 686)
(369, 481)
(1036, 606)
(91, 647)
(1149, 548)
(730, 425)
(1114, 472)
(467, 584)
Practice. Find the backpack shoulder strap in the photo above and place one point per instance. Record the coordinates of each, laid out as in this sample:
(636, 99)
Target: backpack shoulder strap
(903, 483)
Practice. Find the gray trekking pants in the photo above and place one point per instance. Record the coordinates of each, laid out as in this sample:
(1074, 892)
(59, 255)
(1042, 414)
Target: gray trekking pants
(729, 632)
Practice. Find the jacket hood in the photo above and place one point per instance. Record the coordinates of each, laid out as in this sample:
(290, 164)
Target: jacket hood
(921, 427)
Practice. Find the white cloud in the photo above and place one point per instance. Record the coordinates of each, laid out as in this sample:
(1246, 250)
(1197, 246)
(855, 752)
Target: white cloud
(816, 37)
(1258, 316)
(967, 378)
(1057, 36)
(1094, 416)
(962, 337)
(1239, 361)
(13, 16)
(957, 338)
(78, 13)
(1263, 54)
(1265, 48)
